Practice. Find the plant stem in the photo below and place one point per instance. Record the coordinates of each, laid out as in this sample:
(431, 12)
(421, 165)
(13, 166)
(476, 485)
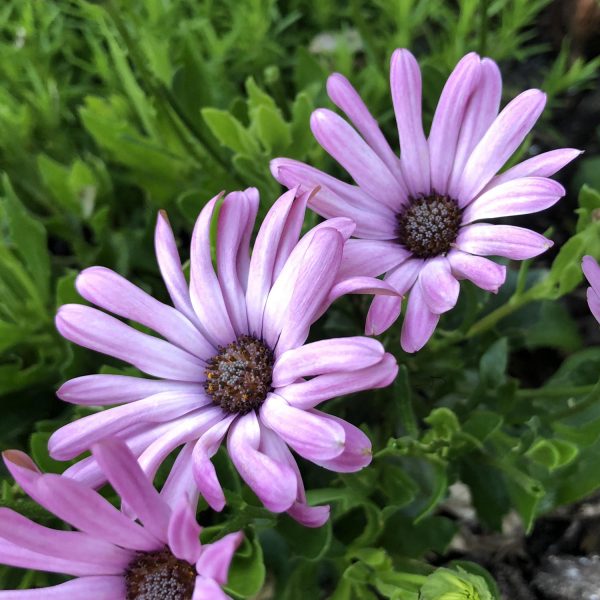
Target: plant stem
(556, 392)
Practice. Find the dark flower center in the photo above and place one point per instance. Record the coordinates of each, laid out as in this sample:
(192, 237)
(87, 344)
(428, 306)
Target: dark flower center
(160, 576)
(239, 378)
(429, 225)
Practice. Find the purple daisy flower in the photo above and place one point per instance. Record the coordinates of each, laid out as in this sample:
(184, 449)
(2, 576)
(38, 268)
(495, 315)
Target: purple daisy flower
(112, 556)
(591, 270)
(233, 360)
(418, 218)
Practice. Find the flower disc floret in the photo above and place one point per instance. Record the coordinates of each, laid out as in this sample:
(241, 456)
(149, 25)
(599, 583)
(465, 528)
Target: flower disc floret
(160, 576)
(238, 379)
(428, 226)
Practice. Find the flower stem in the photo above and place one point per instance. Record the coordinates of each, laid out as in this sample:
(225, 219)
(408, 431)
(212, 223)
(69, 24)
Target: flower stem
(556, 392)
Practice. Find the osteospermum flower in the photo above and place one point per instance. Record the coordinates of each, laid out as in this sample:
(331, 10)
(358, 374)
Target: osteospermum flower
(591, 270)
(418, 218)
(234, 360)
(112, 556)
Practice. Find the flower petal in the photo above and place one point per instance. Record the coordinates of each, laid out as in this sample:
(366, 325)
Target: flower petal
(98, 390)
(114, 293)
(419, 322)
(516, 197)
(345, 97)
(204, 471)
(448, 119)
(439, 286)
(100, 332)
(127, 478)
(338, 199)
(385, 310)
(169, 264)
(370, 258)
(215, 559)
(184, 532)
(591, 270)
(542, 165)
(272, 481)
(512, 242)
(311, 436)
(480, 113)
(499, 142)
(180, 482)
(82, 588)
(236, 218)
(76, 437)
(484, 273)
(405, 83)
(326, 356)
(106, 558)
(594, 303)
(342, 142)
(205, 291)
(208, 589)
(308, 394)
(357, 452)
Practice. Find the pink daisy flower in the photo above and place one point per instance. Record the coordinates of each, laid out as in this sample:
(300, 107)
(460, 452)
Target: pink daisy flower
(111, 556)
(233, 361)
(591, 270)
(419, 218)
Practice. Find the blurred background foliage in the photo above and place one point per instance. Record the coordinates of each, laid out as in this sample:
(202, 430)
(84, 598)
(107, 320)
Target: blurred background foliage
(112, 110)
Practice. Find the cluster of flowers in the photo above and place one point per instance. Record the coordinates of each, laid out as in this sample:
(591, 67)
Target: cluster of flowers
(232, 360)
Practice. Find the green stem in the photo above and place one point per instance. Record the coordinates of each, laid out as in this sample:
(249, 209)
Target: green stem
(492, 318)
(483, 7)
(556, 392)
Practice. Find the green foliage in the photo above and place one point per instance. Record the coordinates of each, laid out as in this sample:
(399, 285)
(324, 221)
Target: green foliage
(112, 110)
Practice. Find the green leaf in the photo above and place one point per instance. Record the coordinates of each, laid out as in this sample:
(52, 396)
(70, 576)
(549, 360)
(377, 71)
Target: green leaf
(247, 571)
(39, 451)
(272, 131)
(311, 543)
(492, 365)
(230, 132)
(450, 584)
(552, 454)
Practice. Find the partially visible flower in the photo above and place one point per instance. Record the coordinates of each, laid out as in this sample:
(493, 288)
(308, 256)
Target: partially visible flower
(111, 556)
(418, 217)
(234, 360)
(591, 270)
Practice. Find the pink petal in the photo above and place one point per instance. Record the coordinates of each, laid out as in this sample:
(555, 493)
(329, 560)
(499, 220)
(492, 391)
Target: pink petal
(114, 293)
(342, 142)
(100, 332)
(236, 217)
(83, 588)
(370, 258)
(484, 273)
(264, 255)
(357, 452)
(440, 288)
(500, 141)
(326, 356)
(98, 390)
(385, 310)
(512, 242)
(169, 264)
(314, 280)
(204, 471)
(129, 481)
(76, 437)
(480, 113)
(405, 82)
(338, 199)
(448, 120)
(215, 559)
(102, 558)
(208, 589)
(180, 482)
(542, 165)
(516, 197)
(205, 291)
(345, 97)
(308, 394)
(308, 434)
(419, 322)
(272, 481)
(591, 270)
(184, 532)
(594, 303)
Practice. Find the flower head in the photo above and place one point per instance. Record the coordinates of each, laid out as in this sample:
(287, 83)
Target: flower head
(233, 361)
(112, 556)
(591, 270)
(418, 217)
